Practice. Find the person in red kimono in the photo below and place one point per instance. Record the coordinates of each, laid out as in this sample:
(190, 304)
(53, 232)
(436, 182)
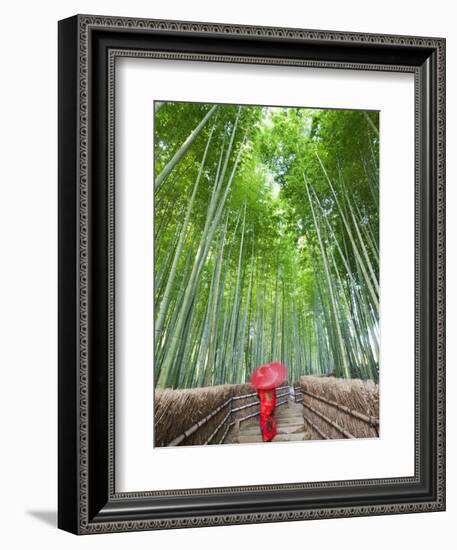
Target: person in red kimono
(265, 379)
(267, 408)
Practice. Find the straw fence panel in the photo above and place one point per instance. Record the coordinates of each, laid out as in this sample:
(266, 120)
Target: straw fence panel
(340, 408)
(175, 411)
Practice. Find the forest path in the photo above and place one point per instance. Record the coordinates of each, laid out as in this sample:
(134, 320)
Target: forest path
(289, 421)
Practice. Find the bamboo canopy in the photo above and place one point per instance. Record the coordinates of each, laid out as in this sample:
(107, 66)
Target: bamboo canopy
(266, 243)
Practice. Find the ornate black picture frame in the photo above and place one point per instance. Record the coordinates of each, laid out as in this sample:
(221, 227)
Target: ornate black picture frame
(88, 501)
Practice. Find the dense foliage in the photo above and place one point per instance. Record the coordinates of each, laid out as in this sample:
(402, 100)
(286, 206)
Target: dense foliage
(266, 242)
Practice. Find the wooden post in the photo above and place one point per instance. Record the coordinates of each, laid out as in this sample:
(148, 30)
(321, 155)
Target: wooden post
(236, 431)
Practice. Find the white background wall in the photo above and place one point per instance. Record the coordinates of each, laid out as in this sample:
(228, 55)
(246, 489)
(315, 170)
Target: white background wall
(28, 289)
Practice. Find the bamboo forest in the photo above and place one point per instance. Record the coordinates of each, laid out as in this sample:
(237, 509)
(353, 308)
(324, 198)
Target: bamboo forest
(266, 242)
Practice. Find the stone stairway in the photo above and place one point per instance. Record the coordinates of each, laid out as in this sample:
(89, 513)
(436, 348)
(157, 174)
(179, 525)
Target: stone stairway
(290, 426)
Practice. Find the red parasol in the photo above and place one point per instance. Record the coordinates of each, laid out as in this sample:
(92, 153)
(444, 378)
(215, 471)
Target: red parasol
(268, 376)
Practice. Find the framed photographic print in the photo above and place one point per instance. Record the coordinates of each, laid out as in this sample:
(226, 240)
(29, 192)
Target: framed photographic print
(251, 274)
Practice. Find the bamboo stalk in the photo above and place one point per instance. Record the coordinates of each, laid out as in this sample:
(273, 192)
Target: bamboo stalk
(163, 307)
(371, 123)
(345, 365)
(202, 252)
(182, 150)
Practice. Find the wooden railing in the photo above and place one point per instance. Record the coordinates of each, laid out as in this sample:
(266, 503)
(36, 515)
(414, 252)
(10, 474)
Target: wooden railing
(233, 414)
(299, 398)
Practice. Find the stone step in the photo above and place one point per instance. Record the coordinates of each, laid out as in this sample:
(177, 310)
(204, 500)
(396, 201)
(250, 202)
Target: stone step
(256, 426)
(286, 429)
(294, 418)
(286, 425)
(279, 437)
(278, 417)
(279, 426)
(289, 410)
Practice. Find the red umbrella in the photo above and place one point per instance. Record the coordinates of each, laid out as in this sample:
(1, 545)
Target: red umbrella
(268, 376)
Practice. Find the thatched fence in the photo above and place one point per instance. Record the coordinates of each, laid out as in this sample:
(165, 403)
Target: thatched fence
(204, 416)
(336, 408)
